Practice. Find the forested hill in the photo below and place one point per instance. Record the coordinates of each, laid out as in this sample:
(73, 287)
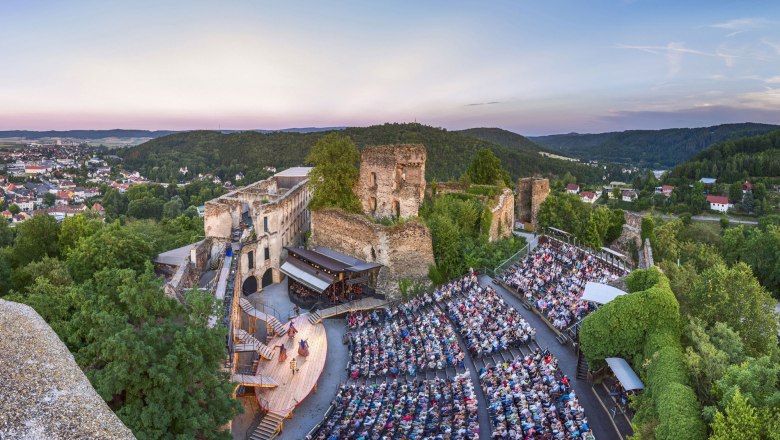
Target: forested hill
(735, 161)
(649, 148)
(84, 134)
(449, 153)
(504, 137)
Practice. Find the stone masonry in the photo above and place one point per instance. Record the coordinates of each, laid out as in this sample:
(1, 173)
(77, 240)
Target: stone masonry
(503, 222)
(531, 192)
(405, 249)
(392, 180)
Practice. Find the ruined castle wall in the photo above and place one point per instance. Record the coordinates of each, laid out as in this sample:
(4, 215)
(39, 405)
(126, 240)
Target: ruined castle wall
(218, 219)
(503, 220)
(531, 192)
(405, 250)
(392, 180)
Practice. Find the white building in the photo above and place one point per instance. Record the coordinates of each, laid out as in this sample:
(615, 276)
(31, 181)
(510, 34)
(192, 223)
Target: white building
(719, 203)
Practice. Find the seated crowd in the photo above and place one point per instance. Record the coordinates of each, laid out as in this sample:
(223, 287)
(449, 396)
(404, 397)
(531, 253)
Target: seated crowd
(553, 279)
(487, 323)
(443, 409)
(405, 341)
(529, 398)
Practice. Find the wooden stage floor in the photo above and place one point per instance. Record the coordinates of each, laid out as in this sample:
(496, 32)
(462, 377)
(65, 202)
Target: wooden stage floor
(293, 389)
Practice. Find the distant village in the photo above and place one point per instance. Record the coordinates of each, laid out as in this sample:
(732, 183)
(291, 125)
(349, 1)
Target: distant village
(63, 179)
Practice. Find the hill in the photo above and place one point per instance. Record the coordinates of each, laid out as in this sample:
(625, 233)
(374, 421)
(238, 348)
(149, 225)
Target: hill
(649, 148)
(84, 134)
(449, 153)
(735, 161)
(504, 137)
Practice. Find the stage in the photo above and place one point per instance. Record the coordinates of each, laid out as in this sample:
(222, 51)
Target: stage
(293, 389)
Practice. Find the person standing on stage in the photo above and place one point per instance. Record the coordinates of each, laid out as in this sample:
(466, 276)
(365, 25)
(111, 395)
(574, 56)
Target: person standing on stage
(282, 352)
(293, 366)
(303, 348)
(292, 331)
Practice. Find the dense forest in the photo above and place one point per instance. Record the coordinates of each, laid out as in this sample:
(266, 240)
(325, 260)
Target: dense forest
(504, 137)
(449, 153)
(649, 148)
(735, 161)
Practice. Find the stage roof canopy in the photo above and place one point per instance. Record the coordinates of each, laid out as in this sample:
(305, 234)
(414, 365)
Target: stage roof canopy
(600, 293)
(315, 281)
(625, 374)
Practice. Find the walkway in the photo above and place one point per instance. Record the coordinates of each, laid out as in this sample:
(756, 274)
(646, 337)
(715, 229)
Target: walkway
(352, 306)
(567, 361)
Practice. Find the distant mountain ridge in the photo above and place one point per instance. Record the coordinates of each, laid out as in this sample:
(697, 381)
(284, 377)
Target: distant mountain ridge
(449, 153)
(130, 133)
(735, 161)
(504, 137)
(649, 148)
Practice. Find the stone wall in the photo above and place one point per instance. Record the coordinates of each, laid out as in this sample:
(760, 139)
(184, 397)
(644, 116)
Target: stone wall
(632, 232)
(503, 222)
(531, 192)
(405, 250)
(392, 180)
(43, 392)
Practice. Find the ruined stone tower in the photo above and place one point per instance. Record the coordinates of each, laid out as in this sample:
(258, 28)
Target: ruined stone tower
(392, 180)
(531, 192)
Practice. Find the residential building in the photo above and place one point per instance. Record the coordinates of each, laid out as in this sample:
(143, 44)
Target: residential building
(719, 203)
(588, 197)
(572, 188)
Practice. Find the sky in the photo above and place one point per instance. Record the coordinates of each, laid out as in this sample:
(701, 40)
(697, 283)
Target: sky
(533, 67)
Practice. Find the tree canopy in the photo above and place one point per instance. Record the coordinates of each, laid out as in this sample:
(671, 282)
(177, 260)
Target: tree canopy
(334, 174)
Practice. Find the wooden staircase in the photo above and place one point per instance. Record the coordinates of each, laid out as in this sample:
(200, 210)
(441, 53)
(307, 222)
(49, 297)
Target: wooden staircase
(250, 309)
(257, 381)
(250, 343)
(269, 428)
(314, 318)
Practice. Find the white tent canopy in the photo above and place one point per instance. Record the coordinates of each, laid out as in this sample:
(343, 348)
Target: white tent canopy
(600, 293)
(625, 374)
(304, 278)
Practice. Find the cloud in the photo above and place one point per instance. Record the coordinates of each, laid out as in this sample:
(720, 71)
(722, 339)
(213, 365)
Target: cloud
(773, 80)
(740, 25)
(772, 44)
(482, 103)
(674, 52)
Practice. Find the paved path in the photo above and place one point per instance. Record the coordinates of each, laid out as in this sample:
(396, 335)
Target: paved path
(567, 361)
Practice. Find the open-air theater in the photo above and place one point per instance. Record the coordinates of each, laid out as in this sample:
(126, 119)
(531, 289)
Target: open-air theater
(460, 361)
(324, 277)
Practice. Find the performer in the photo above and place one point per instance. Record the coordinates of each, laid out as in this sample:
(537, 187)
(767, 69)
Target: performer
(282, 352)
(292, 330)
(293, 366)
(303, 348)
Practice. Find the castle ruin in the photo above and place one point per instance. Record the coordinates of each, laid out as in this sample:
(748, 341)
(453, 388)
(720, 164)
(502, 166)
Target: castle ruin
(392, 180)
(531, 192)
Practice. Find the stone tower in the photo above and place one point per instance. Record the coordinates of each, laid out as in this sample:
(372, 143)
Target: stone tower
(531, 192)
(392, 180)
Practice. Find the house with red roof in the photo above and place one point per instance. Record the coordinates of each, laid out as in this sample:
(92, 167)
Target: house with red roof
(719, 203)
(588, 197)
(572, 188)
(747, 187)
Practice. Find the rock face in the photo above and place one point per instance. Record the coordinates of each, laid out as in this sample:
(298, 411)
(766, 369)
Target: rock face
(405, 249)
(43, 393)
(531, 192)
(392, 180)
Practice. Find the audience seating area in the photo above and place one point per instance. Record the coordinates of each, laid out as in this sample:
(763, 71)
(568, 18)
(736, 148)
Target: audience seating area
(420, 410)
(529, 398)
(488, 325)
(553, 278)
(407, 339)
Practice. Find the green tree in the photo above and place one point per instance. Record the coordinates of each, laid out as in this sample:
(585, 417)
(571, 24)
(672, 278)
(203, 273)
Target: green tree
(735, 191)
(157, 363)
(74, 229)
(15, 209)
(6, 234)
(740, 421)
(485, 169)
(734, 296)
(756, 379)
(146, 207)
(708, 358)
(172, 208)
(52, 269)
(747, 202)
(49, 199)
(111, 247)
(334, 174)
(35, 239)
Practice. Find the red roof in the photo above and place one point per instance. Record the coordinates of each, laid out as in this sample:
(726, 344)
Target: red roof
(572, 187)
(666, 188)
(747, 186)
(723, 200)
(588, 194)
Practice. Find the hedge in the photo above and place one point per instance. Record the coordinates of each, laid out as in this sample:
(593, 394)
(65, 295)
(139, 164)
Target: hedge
(644, 327)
